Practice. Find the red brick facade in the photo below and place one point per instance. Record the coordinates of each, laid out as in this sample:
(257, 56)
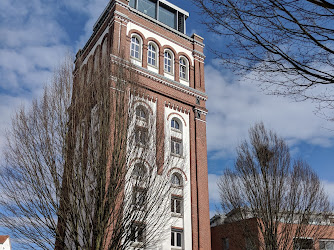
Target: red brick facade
(111, 39)
(235, 234)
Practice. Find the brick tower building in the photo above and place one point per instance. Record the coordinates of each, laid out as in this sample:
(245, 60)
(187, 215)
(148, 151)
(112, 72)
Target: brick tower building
(151, 34)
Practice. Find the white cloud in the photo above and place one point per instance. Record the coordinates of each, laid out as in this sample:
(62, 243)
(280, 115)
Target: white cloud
(234, 107)
(34, 39)
(32, 43)
(213, 188)
(329, 188)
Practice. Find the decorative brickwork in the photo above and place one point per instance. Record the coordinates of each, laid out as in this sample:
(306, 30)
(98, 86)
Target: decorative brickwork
(111, 40)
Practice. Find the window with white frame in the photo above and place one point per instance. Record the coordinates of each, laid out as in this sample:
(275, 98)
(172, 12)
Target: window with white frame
(139, 198)
(136, 47)
(175, 124)
(326, 244)
(177, 238)
(302, 244)
(176, 146)
(176, 180)
(152, 54)
(168, 61)
(176, 204)
(137, 232)
(183, 68)
(141, 134)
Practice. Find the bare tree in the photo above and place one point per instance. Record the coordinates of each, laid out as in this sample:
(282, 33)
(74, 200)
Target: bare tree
(273, 199)
(286, 44)
(81, 165)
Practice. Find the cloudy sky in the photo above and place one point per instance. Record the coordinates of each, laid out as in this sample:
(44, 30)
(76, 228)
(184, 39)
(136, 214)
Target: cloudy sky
(35, 35)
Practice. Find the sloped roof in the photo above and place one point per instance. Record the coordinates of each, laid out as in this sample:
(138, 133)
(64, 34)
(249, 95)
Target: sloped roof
(3, 238)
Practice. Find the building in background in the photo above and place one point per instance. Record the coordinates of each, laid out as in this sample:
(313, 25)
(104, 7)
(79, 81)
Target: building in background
(230, 233)
(5, 242)
(151, 34)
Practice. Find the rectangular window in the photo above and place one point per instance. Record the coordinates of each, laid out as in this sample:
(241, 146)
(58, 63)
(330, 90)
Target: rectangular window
(176, 146)
(137, 232)
(148, 7)
(141, 135)
(176, 238)
(302, 244)
(167, 15)
(176, 204)
(139, 198)
(326, 244)
(226, 244)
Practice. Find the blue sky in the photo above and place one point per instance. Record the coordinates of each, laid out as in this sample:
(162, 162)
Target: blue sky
(35, 35)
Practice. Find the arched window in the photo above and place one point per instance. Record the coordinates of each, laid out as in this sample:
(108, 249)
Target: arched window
(168, 62)
(136, 47)
(176, 180)
(139, 170)
(175, 124)
(152, 55)
(183, 68)
(141, 112)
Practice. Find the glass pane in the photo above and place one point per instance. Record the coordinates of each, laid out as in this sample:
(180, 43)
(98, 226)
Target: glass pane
(172, 239)
(177, 126)
(178, 206)
(132, 3)
(181, 23)
(176, 180)
(178, 243)
(172, 205)
(133, 233)
(148, 7)
(151, 54)
(167, 16)
(135, 47)
(177, 148)
(326, 245)
(140, 237)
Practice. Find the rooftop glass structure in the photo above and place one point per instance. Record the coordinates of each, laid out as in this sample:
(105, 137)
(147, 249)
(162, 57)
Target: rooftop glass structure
(163, 11)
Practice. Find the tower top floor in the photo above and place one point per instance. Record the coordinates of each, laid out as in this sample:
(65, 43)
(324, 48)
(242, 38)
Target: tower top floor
(161, 12)
(151, 35)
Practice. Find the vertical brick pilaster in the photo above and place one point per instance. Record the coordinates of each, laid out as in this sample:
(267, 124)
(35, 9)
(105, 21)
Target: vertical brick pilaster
(114, 42)
(202, 186)
(161, 62)
(201, 72)
(144, 58)
(127, 49)
(191, 77)
(177, 70)
(123, 46)
(160, 135)
(197, 80)
(193, 177)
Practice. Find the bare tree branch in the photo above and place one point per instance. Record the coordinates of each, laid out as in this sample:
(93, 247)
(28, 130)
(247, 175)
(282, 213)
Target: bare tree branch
(286, 45)
(272, 198)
